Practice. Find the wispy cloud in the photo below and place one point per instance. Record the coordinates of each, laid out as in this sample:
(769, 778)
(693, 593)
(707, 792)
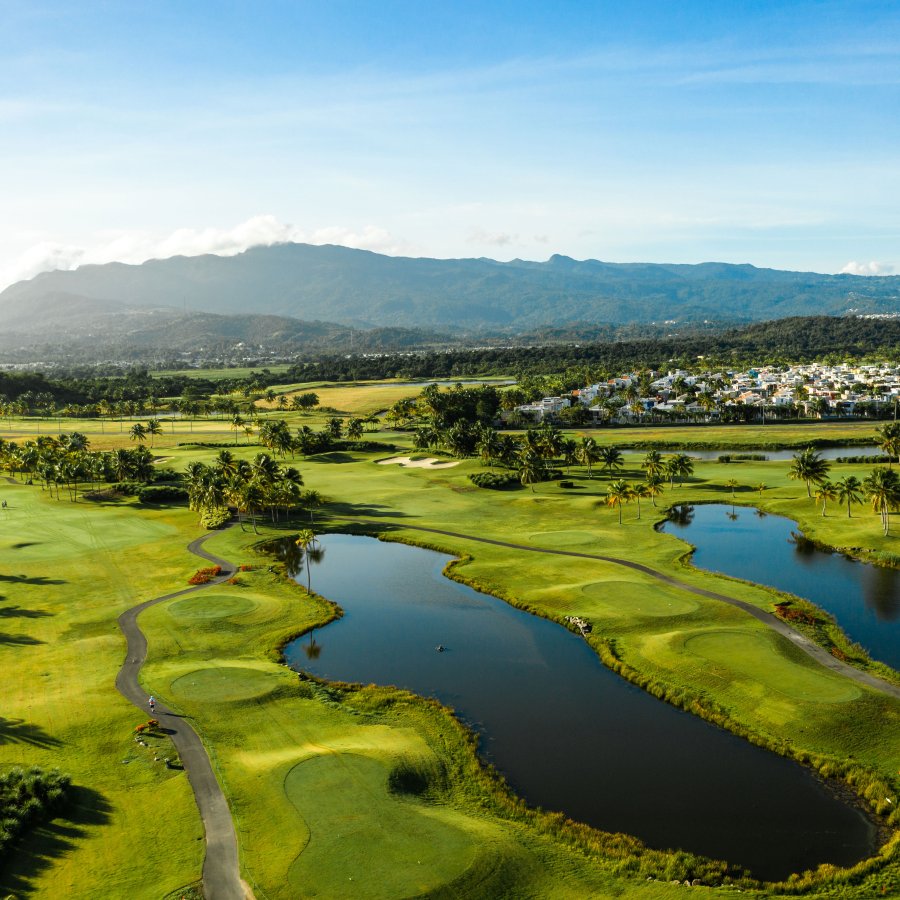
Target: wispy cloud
(492, 238)
(138, 247)
(867, 268)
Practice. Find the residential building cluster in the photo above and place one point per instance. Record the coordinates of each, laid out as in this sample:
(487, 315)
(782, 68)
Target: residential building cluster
(817, 390)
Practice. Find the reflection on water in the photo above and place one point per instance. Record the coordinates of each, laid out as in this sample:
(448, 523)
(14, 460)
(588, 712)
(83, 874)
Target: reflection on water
(567, 733)
(863, 598)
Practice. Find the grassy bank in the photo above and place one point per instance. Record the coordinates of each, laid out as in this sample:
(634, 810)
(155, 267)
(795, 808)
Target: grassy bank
(373, 785)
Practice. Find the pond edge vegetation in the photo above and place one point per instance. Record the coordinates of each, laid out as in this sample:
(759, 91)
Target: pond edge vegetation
(865, 789)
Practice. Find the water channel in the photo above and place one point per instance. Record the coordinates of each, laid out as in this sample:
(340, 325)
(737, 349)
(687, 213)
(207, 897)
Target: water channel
(831, 453)
(569, 734)
(738, 541)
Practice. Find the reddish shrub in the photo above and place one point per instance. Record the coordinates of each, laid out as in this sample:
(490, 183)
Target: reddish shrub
(204, 576)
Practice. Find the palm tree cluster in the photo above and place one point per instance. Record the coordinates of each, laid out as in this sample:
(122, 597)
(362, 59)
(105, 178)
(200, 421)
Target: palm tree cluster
(252, 488)
(881, 486)
(658, 469)
(67, 461)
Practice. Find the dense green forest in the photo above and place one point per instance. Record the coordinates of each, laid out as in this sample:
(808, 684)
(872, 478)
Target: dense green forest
(794, 340)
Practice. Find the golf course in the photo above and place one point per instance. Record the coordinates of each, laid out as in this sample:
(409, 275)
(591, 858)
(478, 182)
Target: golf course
(335, 789)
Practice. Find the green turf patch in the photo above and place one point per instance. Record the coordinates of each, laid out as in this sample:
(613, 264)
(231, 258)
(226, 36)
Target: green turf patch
(211, 606)
(758, 656)
(568, 540)
(363, 841)
(223, 684)
(628, 598)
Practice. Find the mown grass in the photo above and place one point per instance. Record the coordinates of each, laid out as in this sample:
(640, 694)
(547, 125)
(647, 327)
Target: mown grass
(66, 571)
(281, 747)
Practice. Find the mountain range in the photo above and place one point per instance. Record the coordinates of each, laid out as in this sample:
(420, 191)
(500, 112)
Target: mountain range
(306, 292)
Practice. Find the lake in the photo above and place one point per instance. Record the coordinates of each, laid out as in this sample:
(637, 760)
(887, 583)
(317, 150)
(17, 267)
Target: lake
(864, 599)
(567, 733)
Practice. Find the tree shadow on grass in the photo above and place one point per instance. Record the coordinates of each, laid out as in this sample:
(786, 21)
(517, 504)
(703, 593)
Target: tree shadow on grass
(370, 510)
(37, 851)
(18, 731)
(17, 612)
(19, 640)
(32, 579)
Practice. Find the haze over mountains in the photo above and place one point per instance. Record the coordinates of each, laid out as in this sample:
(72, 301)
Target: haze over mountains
(331, 288)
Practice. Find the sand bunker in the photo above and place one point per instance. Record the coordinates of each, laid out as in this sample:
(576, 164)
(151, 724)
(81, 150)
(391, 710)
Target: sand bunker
(409, 463)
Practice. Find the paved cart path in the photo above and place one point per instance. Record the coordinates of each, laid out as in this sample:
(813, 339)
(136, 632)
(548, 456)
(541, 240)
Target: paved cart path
(820, 654)
(221, 872)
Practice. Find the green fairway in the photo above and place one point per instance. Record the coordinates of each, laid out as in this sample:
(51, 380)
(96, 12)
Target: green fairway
(283, 749)
(67, 571)
(361, 840)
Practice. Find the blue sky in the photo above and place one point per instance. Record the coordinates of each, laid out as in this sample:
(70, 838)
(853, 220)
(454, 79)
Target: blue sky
(665, 132)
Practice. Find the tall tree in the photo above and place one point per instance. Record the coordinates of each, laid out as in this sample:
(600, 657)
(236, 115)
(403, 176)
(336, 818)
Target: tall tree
(617, 493)
(849, 490)
(809, 467)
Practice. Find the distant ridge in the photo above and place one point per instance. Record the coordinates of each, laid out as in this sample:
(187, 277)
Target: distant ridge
(362, 289)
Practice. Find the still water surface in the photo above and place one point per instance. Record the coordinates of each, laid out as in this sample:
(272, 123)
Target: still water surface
(567, 733)
(782, 455)
(737, 541)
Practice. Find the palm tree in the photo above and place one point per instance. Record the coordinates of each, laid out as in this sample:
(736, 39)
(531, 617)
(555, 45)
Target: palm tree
(611, 457)
(237, 423)
(488, 445)
(312, 499)
(849, 490)
(761, 487)
(889, 440)
(684, 466)
(653, 487)
(882, 487)
(652, 464)
(809, 467)
(731, 483)
(138, 432)
(587, 453)
(639, 490)
(354, 429)
(826, 491)
(154, 429)
(529, 468)
(569, 450)
(306, 539)
(618, 493)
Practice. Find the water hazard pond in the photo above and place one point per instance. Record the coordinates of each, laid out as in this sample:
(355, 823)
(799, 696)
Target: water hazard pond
(864, 599)
(569, 734)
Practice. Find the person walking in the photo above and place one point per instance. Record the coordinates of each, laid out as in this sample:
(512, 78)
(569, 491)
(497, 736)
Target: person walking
(152, 704)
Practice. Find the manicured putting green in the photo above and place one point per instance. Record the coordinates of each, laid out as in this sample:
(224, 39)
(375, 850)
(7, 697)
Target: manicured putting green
(222, 684)
(757, 656)
(629, 599)
(568, 540)
(211, 606)
(366, 842)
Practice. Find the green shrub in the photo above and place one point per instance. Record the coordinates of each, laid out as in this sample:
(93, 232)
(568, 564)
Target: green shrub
(215, 518)
(27, 798)
(163, 493)
(128, 488)
(495, 481)
(165, 475)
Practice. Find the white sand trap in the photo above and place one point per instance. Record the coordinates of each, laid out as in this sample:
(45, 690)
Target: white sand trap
(409, 463)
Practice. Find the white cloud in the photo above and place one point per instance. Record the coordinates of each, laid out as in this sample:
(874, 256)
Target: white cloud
(492, 238)
(138, 247)
(867, 268)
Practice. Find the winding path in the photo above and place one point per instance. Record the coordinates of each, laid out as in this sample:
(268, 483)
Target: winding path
(221, 872)
(811, 649)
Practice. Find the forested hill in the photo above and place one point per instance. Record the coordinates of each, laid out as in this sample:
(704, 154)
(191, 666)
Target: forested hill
(363, 289)
(785, 341)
